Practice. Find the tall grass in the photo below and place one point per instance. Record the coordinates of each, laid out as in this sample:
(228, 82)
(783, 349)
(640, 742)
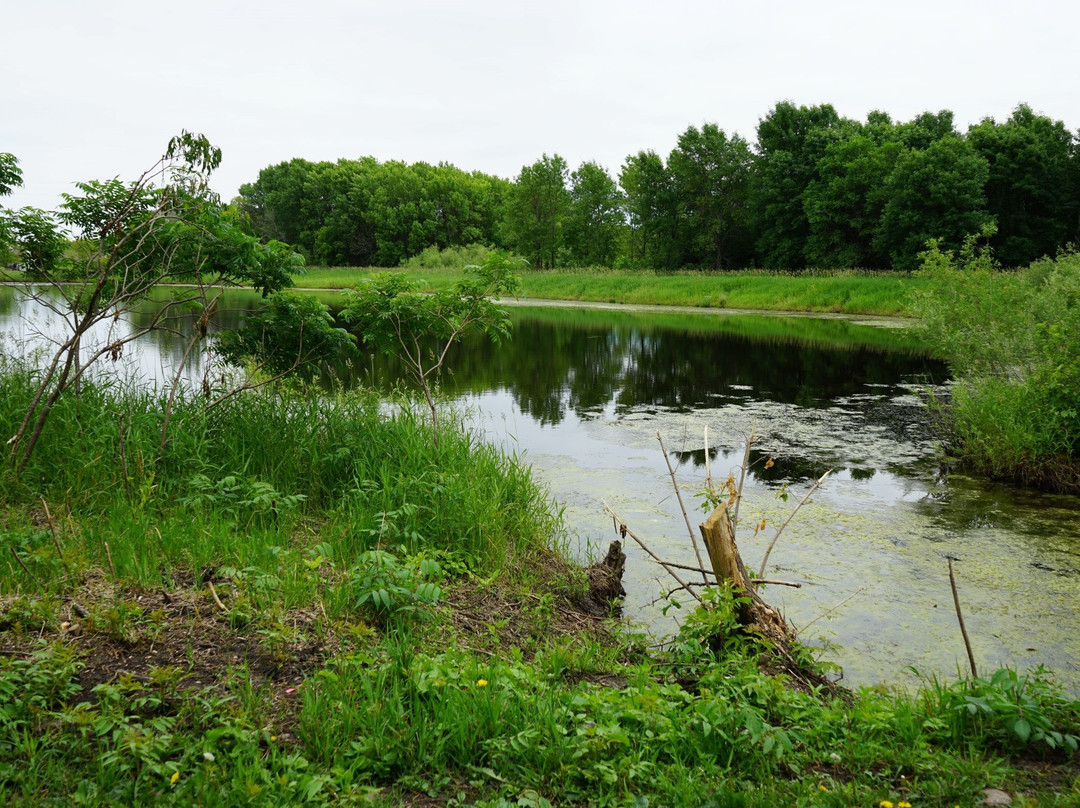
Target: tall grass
(229, 479)
(849, 292)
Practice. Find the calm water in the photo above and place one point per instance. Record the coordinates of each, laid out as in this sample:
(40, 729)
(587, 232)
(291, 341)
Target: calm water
(584, 392)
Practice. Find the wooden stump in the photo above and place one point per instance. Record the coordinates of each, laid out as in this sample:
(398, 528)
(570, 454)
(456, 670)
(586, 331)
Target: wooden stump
(605, 582)
(728, 566)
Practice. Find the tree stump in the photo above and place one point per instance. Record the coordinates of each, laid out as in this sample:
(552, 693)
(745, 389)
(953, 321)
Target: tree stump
(727, 564)
(605, 582)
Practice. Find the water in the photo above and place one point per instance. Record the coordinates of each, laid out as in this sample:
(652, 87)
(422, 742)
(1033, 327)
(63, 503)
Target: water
(582, 393)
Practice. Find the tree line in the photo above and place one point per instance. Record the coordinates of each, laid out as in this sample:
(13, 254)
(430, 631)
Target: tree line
(815, 190)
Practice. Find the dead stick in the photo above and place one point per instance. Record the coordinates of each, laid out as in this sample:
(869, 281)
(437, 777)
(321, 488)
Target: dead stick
(830, 611)
(752, 580)
(26, 569)
(960, 618)
(655, 557)
(813, 488)
(742, 476)
(52, 528)
(682, 507)
(108, 555)
(214, 595)
(795, 584)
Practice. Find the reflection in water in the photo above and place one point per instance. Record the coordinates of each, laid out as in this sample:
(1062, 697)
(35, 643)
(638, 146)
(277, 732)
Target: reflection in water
(552, 367)
(584, 393)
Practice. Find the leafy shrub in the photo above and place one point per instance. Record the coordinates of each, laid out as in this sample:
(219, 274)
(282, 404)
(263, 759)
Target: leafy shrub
(386, 586)
(1010, 709)
(453, 257)
(1013, 342)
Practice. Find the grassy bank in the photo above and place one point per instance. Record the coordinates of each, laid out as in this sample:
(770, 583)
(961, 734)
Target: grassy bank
(884, 294)
(300, 600)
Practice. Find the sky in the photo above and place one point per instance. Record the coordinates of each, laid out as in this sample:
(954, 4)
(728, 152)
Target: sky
(94, 90)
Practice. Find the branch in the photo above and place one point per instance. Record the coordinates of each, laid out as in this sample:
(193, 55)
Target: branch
(768, 550)
(682, 507)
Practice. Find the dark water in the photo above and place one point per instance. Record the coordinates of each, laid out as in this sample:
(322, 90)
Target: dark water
(583, 393)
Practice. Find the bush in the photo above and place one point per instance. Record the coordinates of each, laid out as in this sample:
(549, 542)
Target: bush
(1012, 341)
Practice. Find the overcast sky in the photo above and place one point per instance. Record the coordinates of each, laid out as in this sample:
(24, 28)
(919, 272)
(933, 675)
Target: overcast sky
(91, 90)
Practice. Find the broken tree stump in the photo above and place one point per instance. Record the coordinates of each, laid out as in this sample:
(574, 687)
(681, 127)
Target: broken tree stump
(727, 564)
(605, 582)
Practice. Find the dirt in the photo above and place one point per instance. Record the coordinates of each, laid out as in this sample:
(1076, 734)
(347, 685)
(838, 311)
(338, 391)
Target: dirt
(139, 634)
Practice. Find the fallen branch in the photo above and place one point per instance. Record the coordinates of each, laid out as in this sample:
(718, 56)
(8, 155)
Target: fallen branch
(742, 477)
(26, 569)
(795, 584)
(52, 528)
(108, 555)
(214, 595)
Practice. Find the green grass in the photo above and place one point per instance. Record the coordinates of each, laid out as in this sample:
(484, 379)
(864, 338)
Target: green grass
(845, 292)
(300, 600)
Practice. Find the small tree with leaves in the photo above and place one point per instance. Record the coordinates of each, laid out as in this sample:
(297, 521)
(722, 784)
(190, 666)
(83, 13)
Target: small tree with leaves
(393, 316)
(128, 239)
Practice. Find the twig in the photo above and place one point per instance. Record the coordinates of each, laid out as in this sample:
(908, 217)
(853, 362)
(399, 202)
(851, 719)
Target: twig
(108, 555)
(775, 582)
(960, 618)
(830, 611)
(655, 557)
(752, 580)
(214, 595)
(52, 528)
(26, 569)
(742, 475)
(813, 488)
(682, 507)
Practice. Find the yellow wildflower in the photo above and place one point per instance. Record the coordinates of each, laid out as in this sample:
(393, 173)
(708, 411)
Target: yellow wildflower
(903, 804)
(823, 787)
(481, 682)
(174, 778)
(885, 804)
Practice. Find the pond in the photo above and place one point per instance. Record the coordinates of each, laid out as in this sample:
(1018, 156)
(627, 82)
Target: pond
(582, 393)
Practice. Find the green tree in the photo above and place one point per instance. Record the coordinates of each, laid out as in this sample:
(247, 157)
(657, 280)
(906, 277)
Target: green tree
(292, 334)
(275, 201)
(710, 172)
(131, 237)
(10, 178)
(594, 217)
(10, 173)
(39, 243)
(844, 203)
(652, 210)
(790, 142)
(536, 209)
(395, 317)
(1030, 189)
(934, 193)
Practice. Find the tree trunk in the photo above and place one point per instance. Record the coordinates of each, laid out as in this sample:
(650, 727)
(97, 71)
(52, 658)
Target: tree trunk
(728, 566)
